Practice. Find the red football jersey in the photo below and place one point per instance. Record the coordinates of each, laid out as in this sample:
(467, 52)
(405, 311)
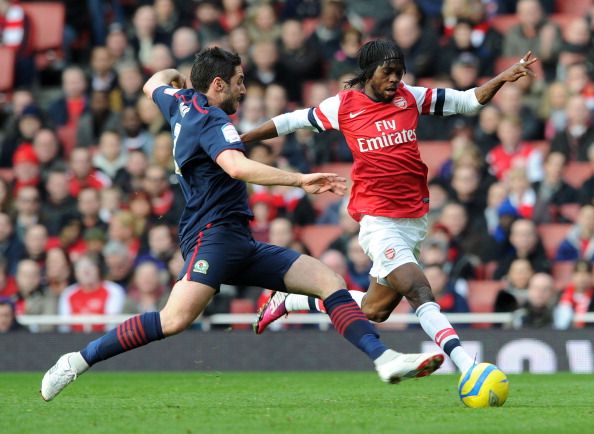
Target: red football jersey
(389, 177)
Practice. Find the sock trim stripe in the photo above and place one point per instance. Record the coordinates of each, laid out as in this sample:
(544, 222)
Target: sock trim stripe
(347, 308)
(344, 315)
(140, 329)
(121, 337)
(346, 321)
(129, 332)
(442, 334)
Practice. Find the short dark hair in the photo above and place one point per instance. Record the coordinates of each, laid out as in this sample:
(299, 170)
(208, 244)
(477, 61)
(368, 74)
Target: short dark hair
(373, 54)
(211, 63)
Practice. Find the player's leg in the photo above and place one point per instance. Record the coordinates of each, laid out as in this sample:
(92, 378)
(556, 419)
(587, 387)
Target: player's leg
(186, 301)
(409, 280)
(311, 276)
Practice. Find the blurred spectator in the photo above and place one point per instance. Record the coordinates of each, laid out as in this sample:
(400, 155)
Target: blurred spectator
(419, 46)
(465, 190)
(134, 135)
(444, 291)
(264, 69)
(69, 107)
(297, 57)
(111, 199)
(162, 152)
(252, 113)
(358, 263)
(28, 125)
(524, 244)
(129, 89)
(207, 23)
(27, 172)
(350, 228)
(8, 321)
(579, 243)
(328, 33)
(465, 71)
(35, 243)
(281, 233)
(90, 295)
(83, 175)
(586, 192)
(577, 44)
(11, 247)
(123, 228)
(8, 286)
(160, 58)
(579, 82)
(161, 246)
(345, 60)
(338, 263)
(578, 134)
(27, 207)
(103, 76)
(89, 205)
(5, 197)
(167, 15)
(151, 116)
(552, 109)
(515, 292)
(459, 43)
(110, 157)
(262, 23)
(512, 152)
(131, 177)
(15, 33)
(552, 191)
(275, 100)
(576, 297)
(21, 98)
(118, 263)
(511, 102)
(146, 34)
(520, 195)
(147, 290)
(240, 43)
(47, 150)
(29, 299)
(140, 207)
(118, 45)
(233, 14)
(93, 123)
(537, 311)
(184, 45)
(165, 202)
(534, 33)
(58, 275)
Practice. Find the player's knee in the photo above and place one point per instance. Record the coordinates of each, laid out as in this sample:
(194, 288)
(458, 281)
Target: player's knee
(375, 313)
(329, 284)
(419, 294)
(174, 324)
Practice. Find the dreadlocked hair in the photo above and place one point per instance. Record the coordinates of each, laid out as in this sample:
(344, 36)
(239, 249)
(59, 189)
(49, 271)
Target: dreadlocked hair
(373, 54)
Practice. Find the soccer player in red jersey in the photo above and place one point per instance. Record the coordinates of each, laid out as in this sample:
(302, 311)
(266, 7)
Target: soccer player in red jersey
(378, 115)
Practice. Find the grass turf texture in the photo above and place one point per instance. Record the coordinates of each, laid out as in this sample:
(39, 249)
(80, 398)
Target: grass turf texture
(321, 402)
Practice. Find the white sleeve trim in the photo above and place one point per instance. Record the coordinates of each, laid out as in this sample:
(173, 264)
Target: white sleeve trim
(460, 102)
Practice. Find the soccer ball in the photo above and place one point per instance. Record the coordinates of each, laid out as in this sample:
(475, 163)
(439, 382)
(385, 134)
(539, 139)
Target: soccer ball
(483, 385)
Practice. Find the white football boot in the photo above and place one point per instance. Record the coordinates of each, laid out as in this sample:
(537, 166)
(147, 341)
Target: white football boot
(405, 366)
(65, 371)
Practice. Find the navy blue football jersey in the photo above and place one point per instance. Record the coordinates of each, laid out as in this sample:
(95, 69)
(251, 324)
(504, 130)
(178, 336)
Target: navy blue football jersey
(200, 134)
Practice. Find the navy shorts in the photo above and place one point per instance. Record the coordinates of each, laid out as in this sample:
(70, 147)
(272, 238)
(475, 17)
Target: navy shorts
(227, 253)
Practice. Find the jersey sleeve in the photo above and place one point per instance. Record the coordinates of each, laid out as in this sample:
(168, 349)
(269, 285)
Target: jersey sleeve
(444, 102)
(325, 116)
(218, 135)
(165, 98)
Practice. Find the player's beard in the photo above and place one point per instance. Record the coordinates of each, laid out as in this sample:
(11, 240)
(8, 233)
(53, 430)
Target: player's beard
(231, 104)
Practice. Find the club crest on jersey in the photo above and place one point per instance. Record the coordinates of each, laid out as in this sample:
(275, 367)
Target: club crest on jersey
(390, 253)
(400, 102)
(201, 266)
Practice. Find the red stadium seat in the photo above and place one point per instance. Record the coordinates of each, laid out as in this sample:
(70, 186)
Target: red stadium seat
(485, 271)
(482, 294)
(317, 238)
(7, 59)
(573, 7)
(434, 154)
(569, 211)
(242, 305)
(576, 172)
(562, 20)
(67, 137)
(47, 30)
(561, 272)
(551, 235)
(503, 23)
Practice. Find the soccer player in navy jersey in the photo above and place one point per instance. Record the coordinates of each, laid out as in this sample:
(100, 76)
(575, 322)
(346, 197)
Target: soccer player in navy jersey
(215, 238)
(378, 115)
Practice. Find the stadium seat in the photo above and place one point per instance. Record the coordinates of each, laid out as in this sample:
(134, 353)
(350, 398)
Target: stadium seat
(7, 59)
(242, 305)
(67, 137)
(551, 235)
(562, 20)
(561, 272)
(482, 294)
(576, 172)
(434, 154)
(47, 29)
(317, 237)
(569, 211)
(503, 23)
(485, 271)
(573, 7)
(322, 201)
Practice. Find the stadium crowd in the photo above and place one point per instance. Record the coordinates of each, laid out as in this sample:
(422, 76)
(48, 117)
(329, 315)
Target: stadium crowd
(89, 201)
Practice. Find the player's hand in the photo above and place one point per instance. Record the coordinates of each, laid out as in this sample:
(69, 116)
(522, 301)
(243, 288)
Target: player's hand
(520, 69)
(178, 82)
(316, 183)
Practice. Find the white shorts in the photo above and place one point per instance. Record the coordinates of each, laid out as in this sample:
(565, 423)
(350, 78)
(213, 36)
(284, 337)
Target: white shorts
(391, 242)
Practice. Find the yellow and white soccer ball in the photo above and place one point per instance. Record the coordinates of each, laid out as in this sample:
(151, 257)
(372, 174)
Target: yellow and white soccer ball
(483, 385)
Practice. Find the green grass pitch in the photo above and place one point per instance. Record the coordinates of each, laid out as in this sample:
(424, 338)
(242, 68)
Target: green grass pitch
(295, 402)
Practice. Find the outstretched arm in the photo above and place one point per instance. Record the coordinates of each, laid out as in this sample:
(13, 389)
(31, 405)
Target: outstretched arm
(238, 166)
(485, 93)
(279, 126)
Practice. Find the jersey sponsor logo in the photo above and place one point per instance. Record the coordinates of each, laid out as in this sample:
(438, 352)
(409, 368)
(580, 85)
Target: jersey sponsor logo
(201, 266)
(230, 133)
(386, 140)
(390, 253)
(355, 114)
(400, 102)
(183, 109)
